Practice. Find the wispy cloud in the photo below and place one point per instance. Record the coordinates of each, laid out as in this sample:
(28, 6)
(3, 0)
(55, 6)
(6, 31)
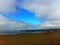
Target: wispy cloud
(6, 24)
(41, 8)
(7, 5)
(45, 8)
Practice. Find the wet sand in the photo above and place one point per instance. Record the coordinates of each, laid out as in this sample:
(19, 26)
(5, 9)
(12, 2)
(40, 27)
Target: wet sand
(52, 38)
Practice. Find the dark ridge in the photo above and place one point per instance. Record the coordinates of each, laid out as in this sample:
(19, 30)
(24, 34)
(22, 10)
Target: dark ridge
(30, 31)
(41, 30)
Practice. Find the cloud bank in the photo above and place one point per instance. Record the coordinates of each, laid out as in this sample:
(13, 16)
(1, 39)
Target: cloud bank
(6, 24)
(7, 6)
(47, 10)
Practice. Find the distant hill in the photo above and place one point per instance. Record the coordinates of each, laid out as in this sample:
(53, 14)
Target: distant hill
(29, 31)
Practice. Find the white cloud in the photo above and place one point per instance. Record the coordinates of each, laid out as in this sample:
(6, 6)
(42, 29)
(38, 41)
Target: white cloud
(43, 8)
(50, 8)
(39, 7)
(7, 5)
(50, 25)
(10, 25)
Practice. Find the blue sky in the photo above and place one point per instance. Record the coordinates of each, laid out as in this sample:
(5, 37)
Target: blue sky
(24, 16)
(41, 14)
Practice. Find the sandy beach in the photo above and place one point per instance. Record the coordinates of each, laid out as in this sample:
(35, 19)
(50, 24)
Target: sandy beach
(51, 38)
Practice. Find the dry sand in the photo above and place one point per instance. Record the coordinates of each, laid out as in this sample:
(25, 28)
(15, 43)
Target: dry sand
(51, 38)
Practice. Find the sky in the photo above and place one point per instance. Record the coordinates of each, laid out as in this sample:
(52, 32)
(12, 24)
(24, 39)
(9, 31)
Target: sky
(29, 14)
(24, 15)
